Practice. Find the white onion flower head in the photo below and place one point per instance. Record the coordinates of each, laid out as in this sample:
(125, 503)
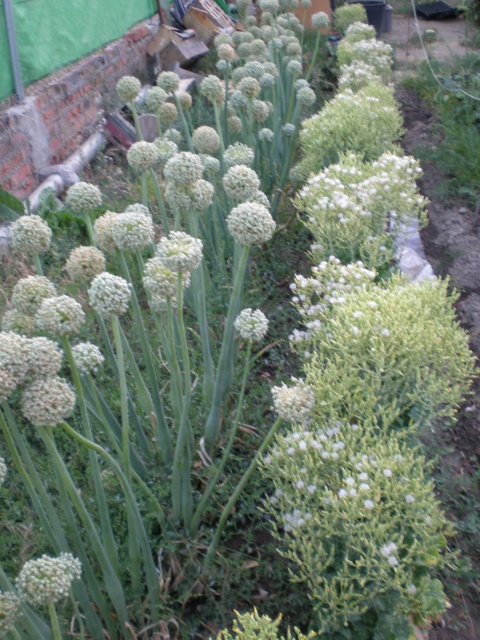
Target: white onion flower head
(109, 295)
(266, 134)
(226, 52)
(250, 224)
(213, 90)
(139, 208)
(260, 110)
(211, 165)
(30, 234)
(84, 263)
(183, 168)
(320, 20)
(168, 113)
(18, 322)
(293, 49)
(269, 5)
(267, 81)
(166, 149)
(88, 357)
(46, 402)
(222, 38)
(178, 197)
(128, 88)
(206, 139)
(103, 231)
(155, 98)
(234, 124)
(45, 357)
(142, 156)
(3, 475)
(28, 293)
(159, 305)
(261, 198)
(249, 87)
(180, 252)
(185, 99)
(9, 611)
(160, 281)
(47, 580)
(83, 196)
(241, 182)
(168, 81)
(288, 130)
(14, 362)
(294, 67)
(222, 66)
(202, 194)
(294, 403)
(306, 97)
(238, 153)
(133, 231)
(251, 325)
(60, 315)
(174, 135)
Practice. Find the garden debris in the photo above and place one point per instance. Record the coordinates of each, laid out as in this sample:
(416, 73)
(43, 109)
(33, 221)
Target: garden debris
(119, 131)
(208, 20)
(173, 44)
(148, 126)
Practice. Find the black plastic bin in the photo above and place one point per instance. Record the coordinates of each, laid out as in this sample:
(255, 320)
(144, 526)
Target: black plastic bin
(375, 13)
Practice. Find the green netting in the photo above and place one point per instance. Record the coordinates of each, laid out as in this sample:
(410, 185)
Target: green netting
(53, 33)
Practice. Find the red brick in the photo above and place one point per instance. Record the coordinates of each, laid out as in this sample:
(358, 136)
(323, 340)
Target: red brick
(20, 174)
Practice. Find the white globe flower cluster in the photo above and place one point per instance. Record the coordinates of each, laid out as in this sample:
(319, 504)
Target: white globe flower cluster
(176, 256)
(251, 325)
(186, 190)
(131, 230)
(83, 197)
(47, 580)
(109, 295)
(294, 403)
(88, 357)
(30, 235)
(33, 363)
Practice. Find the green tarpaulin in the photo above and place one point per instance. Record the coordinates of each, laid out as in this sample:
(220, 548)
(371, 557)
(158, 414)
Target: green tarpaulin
(53, 33)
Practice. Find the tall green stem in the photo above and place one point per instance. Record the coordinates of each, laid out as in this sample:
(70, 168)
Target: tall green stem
(38, 264)
(108, 538)
(160, 203)
(226, 454)
(227, 510)
(212, 424)
(57, 634)
(123, 396)
(314, 56)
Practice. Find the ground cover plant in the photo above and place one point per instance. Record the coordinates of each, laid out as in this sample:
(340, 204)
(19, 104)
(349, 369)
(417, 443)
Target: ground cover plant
(458, 132)
(131, 373)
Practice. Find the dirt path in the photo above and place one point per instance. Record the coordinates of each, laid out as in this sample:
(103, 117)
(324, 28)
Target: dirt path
(454, 37)
(452, 245)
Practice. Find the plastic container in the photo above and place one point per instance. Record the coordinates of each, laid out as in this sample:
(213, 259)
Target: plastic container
(375, 13)
(387, 19)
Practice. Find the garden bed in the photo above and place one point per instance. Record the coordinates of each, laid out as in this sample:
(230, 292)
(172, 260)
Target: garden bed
(452, 245)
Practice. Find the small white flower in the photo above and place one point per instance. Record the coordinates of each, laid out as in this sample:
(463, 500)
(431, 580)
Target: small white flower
(369, 504)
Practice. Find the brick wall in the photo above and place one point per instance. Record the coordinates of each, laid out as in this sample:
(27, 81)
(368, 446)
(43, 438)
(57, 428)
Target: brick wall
(64, 109)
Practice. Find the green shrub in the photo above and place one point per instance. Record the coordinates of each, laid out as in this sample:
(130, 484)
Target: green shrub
(351, 205)
(375, 53)
(367, 123)
(346, 15)
(358, 519)
(393, 350)
(250, 626)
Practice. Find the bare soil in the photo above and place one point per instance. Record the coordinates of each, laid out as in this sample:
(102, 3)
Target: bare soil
(452, 245)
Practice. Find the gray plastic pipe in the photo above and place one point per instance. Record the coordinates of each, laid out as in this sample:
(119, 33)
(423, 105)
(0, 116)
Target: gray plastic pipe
(72, 165)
